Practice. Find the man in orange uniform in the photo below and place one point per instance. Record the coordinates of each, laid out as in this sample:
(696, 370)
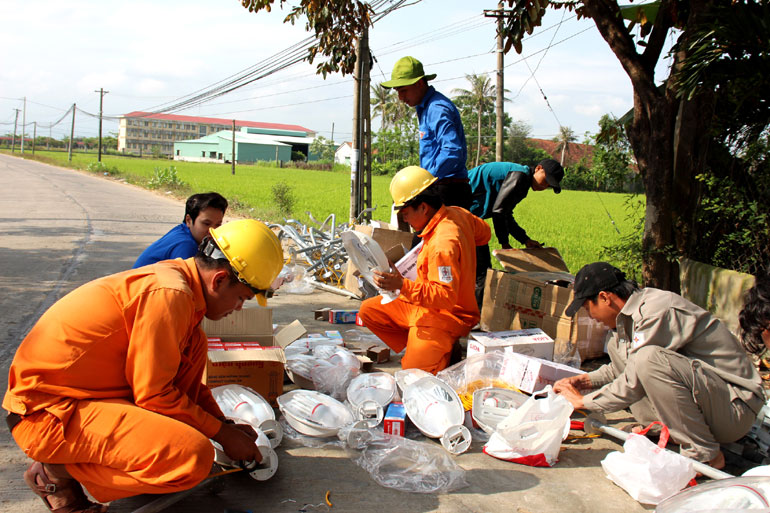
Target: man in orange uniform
(439, 306)
(105, 391)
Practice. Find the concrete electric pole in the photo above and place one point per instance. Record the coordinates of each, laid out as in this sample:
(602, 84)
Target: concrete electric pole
(101, 92)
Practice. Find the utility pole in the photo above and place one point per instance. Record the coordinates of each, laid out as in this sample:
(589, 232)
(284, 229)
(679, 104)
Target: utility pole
(366, 128)
(72, 133)
(34, 136)
(101, 92)
(359, 163)
(233, 158)
(499, 13)
(23, 124)
(13, 141)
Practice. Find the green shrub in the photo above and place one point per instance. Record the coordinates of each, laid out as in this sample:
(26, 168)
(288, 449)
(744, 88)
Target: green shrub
(166, 177)
(283, 198)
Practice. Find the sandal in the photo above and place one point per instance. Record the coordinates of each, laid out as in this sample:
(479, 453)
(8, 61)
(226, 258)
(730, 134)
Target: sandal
(68, 491)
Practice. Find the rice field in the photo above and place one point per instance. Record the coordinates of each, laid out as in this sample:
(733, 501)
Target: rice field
(575, 222)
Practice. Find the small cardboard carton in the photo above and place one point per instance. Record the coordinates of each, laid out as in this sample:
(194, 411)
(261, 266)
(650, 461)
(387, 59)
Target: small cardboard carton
(531, 342)
(394, 422)
(530, 260)
(246, 352)
(531, 375)
(388, 240)
(539, 300)
(407, 265)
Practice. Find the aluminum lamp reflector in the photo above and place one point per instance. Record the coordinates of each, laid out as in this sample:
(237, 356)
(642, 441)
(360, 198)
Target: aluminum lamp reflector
(313, 413)
(492, 405)
(369, 394)
(436, 410)
(406, 377)
(242, 403)
(367, 256)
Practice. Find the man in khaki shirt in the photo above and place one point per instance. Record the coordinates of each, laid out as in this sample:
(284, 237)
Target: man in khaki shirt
(670, 361)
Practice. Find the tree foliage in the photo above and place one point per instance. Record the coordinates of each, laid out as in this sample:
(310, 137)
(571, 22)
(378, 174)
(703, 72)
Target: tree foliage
(478, 99)
(335, 23)
(322, 148)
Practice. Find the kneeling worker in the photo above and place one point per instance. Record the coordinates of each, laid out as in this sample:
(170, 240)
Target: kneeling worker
(105, 391)
(439, 306)
(670, 361)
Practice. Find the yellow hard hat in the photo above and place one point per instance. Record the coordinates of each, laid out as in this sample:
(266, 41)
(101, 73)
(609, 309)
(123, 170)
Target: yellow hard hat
(254, 253)
(408, 183)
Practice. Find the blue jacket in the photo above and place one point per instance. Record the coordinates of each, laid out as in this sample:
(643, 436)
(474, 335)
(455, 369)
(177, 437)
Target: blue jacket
(496, 188)
(177, 243)
(443, 151)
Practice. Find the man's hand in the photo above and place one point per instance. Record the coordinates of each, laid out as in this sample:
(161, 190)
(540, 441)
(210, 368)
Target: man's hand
(570, 389)
(387, 280)
(238, 442)
(533, 244)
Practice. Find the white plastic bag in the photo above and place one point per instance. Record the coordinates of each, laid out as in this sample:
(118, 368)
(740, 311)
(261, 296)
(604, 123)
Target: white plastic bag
(532, 434)
(647, 472)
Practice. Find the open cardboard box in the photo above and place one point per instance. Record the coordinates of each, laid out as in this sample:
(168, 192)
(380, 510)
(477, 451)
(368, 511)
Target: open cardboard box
(260, 369)
(530, 260)
(539, 300)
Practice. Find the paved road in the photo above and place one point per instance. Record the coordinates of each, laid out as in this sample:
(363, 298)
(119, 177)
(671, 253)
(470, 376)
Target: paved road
(61, 228)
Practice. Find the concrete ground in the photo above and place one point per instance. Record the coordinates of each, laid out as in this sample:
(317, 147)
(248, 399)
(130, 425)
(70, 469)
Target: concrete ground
(62, 228)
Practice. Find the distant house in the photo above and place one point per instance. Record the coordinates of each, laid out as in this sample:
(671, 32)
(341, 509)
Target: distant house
(344, 153)
(140, 132)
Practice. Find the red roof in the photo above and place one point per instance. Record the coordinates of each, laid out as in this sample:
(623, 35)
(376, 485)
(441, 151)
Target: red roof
(576, 151)
(215, 121)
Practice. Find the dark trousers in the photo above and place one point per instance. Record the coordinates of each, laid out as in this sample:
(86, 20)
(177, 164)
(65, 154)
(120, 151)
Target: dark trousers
(483, 262)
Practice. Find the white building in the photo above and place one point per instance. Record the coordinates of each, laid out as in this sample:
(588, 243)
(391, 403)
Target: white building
(344, 153)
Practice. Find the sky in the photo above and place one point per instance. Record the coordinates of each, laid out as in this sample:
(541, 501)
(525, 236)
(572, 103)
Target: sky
(146, 53)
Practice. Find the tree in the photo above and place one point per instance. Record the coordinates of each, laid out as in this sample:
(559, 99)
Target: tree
(565, 137)
(518, 149)
(383, 105)
(611, 156)
(668, 133)
(323, 148)
(480, 98)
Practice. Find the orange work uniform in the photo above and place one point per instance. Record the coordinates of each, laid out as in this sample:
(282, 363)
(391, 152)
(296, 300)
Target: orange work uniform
(439, 306)
(108, 383)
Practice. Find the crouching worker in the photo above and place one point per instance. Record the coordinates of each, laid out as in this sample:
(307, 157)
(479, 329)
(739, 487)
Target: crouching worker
(439, 306)
(105, 391)
(670, 361)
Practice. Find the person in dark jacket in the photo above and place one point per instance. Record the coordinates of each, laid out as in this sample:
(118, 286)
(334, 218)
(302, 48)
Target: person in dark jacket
(496, 189)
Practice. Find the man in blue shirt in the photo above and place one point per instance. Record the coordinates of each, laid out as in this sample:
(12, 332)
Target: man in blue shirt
(497, 188)
(443, 151)
(202, 212)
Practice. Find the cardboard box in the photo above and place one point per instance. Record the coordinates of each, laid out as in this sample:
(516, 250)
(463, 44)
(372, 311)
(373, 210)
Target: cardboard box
(531, 375)
(378, 354)
(538, 300)
(387, 239)
(531, 342)
(531, 260)
(394, 422)
(234, 359)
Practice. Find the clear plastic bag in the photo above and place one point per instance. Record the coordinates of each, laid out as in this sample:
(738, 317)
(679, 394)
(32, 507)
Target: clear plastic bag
(295, 280)
(333, 379)
(533, 432)
(403, 464)
(569, 355)
(493, 369)
(647, 472)
(722, 496)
